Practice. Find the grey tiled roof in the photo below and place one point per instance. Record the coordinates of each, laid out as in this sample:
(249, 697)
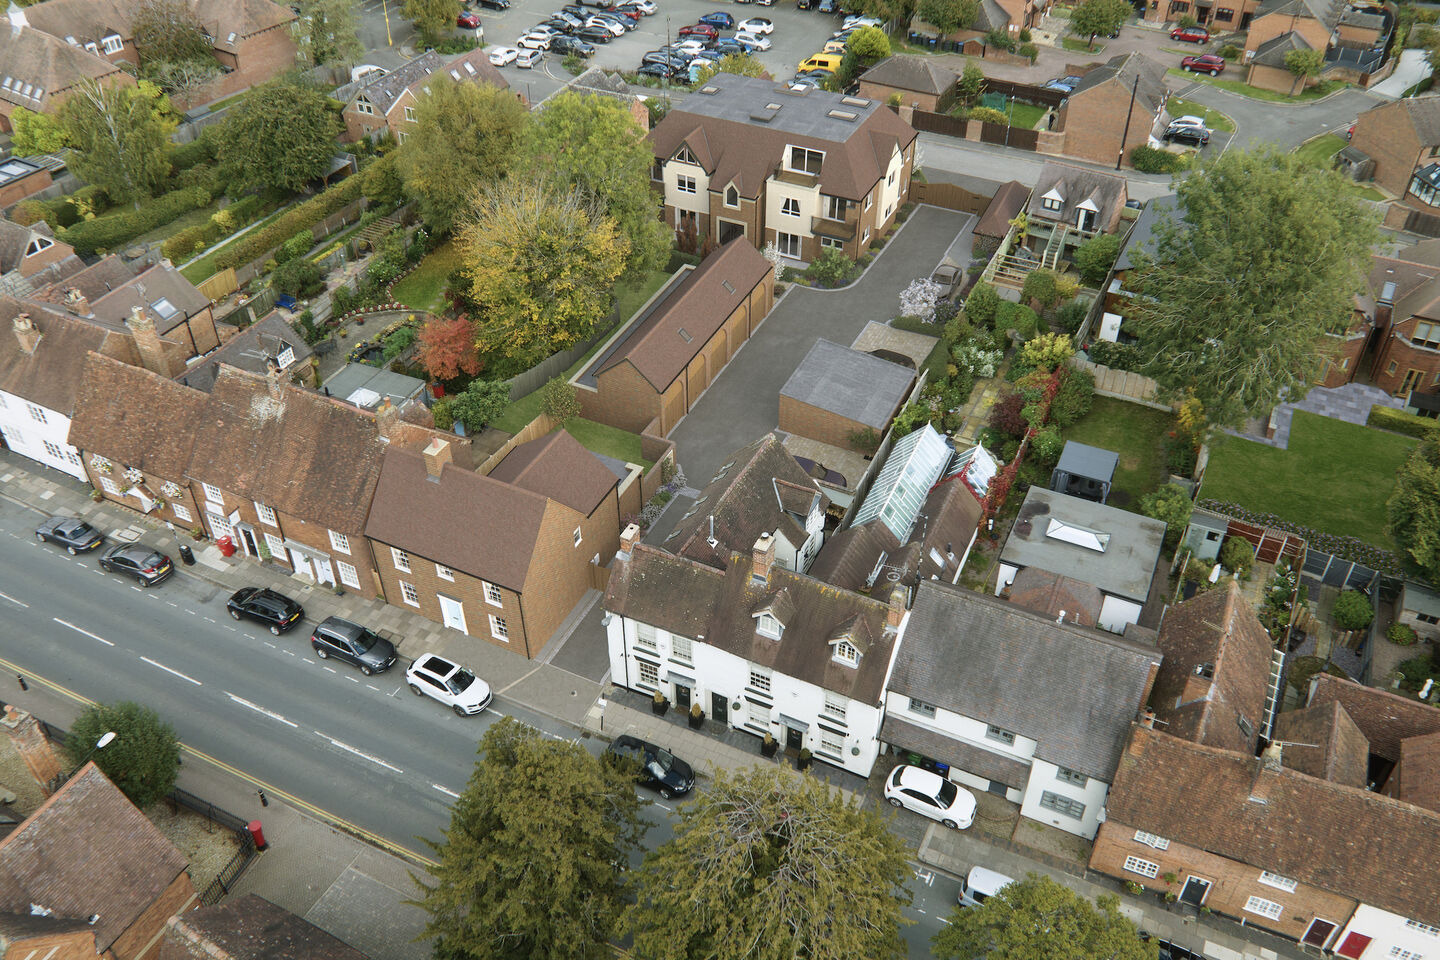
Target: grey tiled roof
(1125, 68)
(849, 383)
(1272, 52)
(1076, 185)
(1142, 238)
(908, 72)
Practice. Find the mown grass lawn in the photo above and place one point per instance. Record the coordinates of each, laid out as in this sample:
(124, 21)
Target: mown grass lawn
(1321, 151)
(1335, 476)
(1082, 45)
(1213, 118)
(1322, 89)
(609, 441)
(1137, 434)
(1026, 115)
(425, 288)
(201, 270)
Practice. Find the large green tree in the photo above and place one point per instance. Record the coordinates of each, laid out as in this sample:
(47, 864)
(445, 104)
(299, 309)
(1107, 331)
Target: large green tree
(167, 31)
(531, 867)
(35, 133)
(540, 261)
(143, 759)
(595, 145)
(1099, 17)
(1414, 509)
(1303, 64)
(947, 16)
(119, 138)
(464, 137)
(281, 136)
(1265, 260)
(769, 866)
(1037, 917)
(327, 32)
(433, 19)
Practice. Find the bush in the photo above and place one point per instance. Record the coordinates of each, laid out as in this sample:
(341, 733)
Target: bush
(312, 211)
(999, 38)
(1029, 50)
(1040, 287)
(181, 246)
(1046, 352)
(831, 269)
(1147, 159)
(1398, 421)
(1401, 634)
(197, 151)
(1230, 51)
(1415, 671)
(1118, 356)
(1071, 315)
(117, 229)
(29, 212)
(1017, 317)
(398, 342)
(1046, 445)
(1353, 611)
(989, 115)
(1095, 257)
(982, 304)
(1237, 556)
(482, 402)
(1074, 398)
(298, 278)
(1171, 505)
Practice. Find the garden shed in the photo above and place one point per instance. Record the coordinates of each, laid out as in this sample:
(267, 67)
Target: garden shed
(1084, 471)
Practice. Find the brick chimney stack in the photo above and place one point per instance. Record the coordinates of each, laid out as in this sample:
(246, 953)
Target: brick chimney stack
(895, 612)
(76, 302)
(387, 418)
(1267, 771)
(628, 538)
(29, 739)
(148, 343)
(26, 333)
(437, 454)
(762, 558)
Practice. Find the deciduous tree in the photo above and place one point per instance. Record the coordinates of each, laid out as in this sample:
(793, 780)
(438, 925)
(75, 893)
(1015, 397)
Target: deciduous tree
(1303, 64)
(559, 401)
(143, 759)
(35, 133)
(119, 138)
(1171, 505)
(970, 84)
(465, 137)
(1414, 510)
(447, 347)
(947, 16)
(1093, 17)
(541, 261)
(1239, 294)
(281, 136)
(1037, 917)
(743, 64)
(327, 32)
(870, 44)
(531, 867)
(433, 19)
(188, 81)
(480, 403)
(768, 866)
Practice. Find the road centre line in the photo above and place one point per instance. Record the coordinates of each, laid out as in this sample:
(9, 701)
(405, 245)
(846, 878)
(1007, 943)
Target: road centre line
(259, 709)
(156, 663)
(67, 623)
(359, 753)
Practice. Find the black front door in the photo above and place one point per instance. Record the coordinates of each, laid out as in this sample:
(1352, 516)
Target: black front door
(794, 739)
(719, 708)
(682, 698)
(1194, 891)
(250, 546)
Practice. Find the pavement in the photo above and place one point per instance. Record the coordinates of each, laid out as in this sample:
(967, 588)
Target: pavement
(1412, 68)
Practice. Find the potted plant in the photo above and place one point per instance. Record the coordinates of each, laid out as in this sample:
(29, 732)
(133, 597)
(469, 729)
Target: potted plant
(1133, 888)
(96, 495)
(658, 704)
(1170, 896)
(767, 748)
(697, 716)
(802, 762)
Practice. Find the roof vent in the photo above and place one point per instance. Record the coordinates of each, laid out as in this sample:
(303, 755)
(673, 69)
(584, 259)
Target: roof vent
(855, 101)
(709, 91)
(841, 115)
(230, 39)
(766, 113)
(729, 288)
(685, 335)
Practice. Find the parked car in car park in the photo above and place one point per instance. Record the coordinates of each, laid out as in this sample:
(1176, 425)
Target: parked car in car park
(663, 71)
(698, 30)
(349, 641)
(572, 46)
(727, 46)
(76, 536)
(526, 59)
(534, 40)
(275, 610)
(691, 48)
(750, 41)
(468, 21)
(594, 35)
(146, 565)
(604, 23)
(1190, 34)
(646, 7)
(755, 26)
(658, 768)
(444, 680)
(719, 20)
(1205, 63)
(500, 56)
(495, 4)
(930, 795)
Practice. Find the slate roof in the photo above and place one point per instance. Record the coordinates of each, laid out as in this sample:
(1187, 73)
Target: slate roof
(1073, 690)
(558, 467)
(734, 147)
(298, 452)
(1348, 841)
(759, 493)
(145, 290)
(1272, 52)
(1340, 752)
(905, 71)
(51, 377)
(1142, 237)
(1076, 185)
(849, 383)
(1419, 599)
(964, 756)
(1216, 632)
(249, 928)
(716, 607)
(1418, 775)
(1053, 595)
(1008, 201)
(88, 851)
(1124, 569)
(662, 342)
(37, 58)
(1123, 69)
(251, 350)
(136, 418)
(1386, 719)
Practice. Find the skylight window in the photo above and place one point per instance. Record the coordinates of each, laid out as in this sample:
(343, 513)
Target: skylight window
(164, 308)
(1079, 536)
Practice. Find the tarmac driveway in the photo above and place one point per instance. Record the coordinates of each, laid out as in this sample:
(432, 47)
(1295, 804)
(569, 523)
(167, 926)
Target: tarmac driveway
(743, 404)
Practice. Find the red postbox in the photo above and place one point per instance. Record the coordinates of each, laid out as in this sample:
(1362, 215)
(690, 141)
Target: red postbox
(226, 545)
(257, 833)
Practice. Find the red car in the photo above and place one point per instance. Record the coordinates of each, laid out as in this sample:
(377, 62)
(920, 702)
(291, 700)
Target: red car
(699, 30)
(1207, 63)
(469, 21)
(1191, 34)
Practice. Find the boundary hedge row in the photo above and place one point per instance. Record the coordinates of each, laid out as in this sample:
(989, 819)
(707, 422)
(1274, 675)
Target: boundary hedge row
(260, 242)
(119, 228)
(1398, 421)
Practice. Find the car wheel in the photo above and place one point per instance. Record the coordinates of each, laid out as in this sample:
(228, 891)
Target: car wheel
(39, 538)
(320, 652)
(665, 793)
(71, 550)
(894, 802)
(1188, 69)
(234, 614)
(951, 824)
(104, 566)
(366, 670)
(274, 630)
(1214, 73)
(415, 689)
(459, 711)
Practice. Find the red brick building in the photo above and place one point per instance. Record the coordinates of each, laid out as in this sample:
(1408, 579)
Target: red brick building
(920, 82)
(1401, 314)
(1402, 137)
(387, 104)
(1114, 109)
(41, 71)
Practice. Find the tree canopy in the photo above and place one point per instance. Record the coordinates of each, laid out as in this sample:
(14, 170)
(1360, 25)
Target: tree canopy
(464, 137)
(869, 44)
(769, 866)
(281, 136)
(1414, 510)
(1037, 917)
(167, 31)
(1303, 63)
(1104, 17)
(447, 347)
(1237, 298)
(143, 759)
(433, 19)
(119, 138)
(947, 16)
(35, 133)
(327, 33)
(744, 64)
(531, 867)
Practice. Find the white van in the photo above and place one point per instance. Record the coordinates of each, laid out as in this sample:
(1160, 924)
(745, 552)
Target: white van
(981, 885)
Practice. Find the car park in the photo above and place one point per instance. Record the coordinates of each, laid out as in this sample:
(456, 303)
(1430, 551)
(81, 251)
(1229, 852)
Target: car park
(594, 35)
(672, 60)
(495, 4)
(500, 56)
(568, 17)
(1206, 63)
(728, 46)
(528, 58)
(444, 680)
(275, 610)
(657, 768)
(930, 795)
(620, 20)
(698, 30)
(571, 46)
(691, 48)
(76, 536)
(820, 61)
(756, 26)
(1186, 133)
(720, 20)
(601, 23)
(752, 41)
(146, 565)
(468, 21)
(949, 277)
(534, 40)
(826, 6)
(556, 28)
(349, 641)
(1190, 34)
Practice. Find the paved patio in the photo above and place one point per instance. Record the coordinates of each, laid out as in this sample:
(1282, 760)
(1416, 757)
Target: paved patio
(1351, 403)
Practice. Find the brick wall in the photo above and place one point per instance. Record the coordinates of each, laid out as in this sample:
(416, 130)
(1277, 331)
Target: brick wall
(1396, 358)
(1278, 79)
(622, 398)
(17, 190)
(185, 499)
(1094, 123)
(260, 57)
(910, 98)
(141, 940)
(560, 572)
(805, 420)
(1232, 883)
(1343, 355)
(1386, 135)
(76, 945)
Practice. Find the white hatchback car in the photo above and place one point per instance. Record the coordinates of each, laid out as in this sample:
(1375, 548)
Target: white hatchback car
(459, 689)
(534, 40)
(503, 55)
(756, 26)
(930, 795)
(606, 24)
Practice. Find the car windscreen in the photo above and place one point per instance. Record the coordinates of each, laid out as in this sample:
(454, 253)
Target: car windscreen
(664, 758)
(948, 793)
(461, 681)
(71, 529)
(365, 641)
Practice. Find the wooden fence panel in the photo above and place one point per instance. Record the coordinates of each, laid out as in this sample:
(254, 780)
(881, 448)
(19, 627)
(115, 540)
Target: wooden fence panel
(219, 285)
(951, 196)
(940, 123)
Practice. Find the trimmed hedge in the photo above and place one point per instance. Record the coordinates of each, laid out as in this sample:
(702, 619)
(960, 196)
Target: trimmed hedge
(187, 155)
(1147, 159)
(1398, 421)
(179, 247)
(260, 242)
(117, 229)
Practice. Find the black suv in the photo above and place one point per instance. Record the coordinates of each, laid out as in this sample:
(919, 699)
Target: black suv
(348, 641)
(275, 610)
(655, 767)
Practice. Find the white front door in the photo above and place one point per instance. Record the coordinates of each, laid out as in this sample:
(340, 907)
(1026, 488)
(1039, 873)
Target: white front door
(301, 564)
(452, 612)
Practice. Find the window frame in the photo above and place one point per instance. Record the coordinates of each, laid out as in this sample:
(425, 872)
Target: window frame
(347, 573)
(760, 681)
(339, 542)
(1141, 867)
(647, 637)
(401, 559)
(213, 494)
(444, 572)
(999, 734)
(1263, 908)
(846, 652)
(1073, 777)
(1061, 804)
(922, 708)
(835, 706)
(790, 206)
(266, 514)
(493, 596)
(499, 628)
(684, 183)
(409, 594)
(181, 512)
(1153, 840)
(1277, 881)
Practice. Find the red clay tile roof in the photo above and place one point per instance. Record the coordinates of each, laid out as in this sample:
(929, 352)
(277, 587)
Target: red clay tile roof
(88, 851)
(558, 467)
(51, 376)
(136, 418)
(1385, 718)
(1419, 771)
(1340, 752)
(1053, 594)
(1348, 841)
(48, 62)
(678, 327)
(249, 928)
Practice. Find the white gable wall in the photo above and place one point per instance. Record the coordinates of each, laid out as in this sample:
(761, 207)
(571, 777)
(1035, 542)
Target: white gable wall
(1391, 935)
(39, 433)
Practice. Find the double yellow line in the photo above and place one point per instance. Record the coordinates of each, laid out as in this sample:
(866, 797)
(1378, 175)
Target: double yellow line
(271, 790)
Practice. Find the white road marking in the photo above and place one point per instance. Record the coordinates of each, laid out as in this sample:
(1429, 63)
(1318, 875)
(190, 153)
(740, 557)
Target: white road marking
(359, 753)
(663, 806)
(352, 679)
(208, 620)
(67, 623)
(136, 589)
(18, 603)
(81, 563)
(269, 644)
(497, 713)
(446, 790)
(306, 659)
(172, 603)
(373, 687)
(192, 613)
(331, 669)
(156, 663)
(259, 709)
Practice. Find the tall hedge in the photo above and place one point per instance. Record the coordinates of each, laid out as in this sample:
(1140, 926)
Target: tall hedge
(260, 242)
(120, 227)
(1388, 418)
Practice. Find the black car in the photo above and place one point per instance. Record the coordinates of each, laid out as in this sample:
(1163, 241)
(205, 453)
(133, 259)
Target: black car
(495, 4)
(348, 641)
(1187, 133)
(575, 10)
(570, 45)
(727, 46)
(275, 610)
(675, 63)
(564, 26)
(76, 536)
(594, 35)
(655, 767)
(146, 564)
(662, 70)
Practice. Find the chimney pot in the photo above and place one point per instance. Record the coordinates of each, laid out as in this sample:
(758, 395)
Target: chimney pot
(629, 537)
(437, 454)
(26, 333)
(387, 418)
(762, 558)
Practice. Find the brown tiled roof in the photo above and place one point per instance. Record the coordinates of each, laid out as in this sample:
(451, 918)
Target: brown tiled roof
(1008, 201)
(51, 376)
(678, 327)
(136, 418)
(1385, 718)
(1348, 841)
(15, 927)
(907, 72)
(945, 526)
(158, 282)
(1075, 185)
(1054, 595)
(250, 928)
(734, 147)
(1124, 70)
(1419, 771)
(95, 281)
(94, 19)
(480, 70)
(1340, 751)
(558, 467)
(1218, 633)
(746, 501)
(15, 238)
(468, 522)
(88, 851)
(35, 57)
(696, 600)
(300, 453)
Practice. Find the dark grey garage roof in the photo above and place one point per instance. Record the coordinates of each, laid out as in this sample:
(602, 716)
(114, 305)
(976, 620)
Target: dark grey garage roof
(1073, 690)
(849, 383)
(958, 754)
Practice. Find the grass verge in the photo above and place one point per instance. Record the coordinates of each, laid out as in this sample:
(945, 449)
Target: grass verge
(1322, 89)
(1213, 118)
(1077, 45)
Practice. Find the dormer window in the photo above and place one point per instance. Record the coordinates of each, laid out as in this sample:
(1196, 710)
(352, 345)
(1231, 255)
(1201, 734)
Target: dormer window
(1052, 201)
(804, 160)
(113, 43)
(286, 357)
(846, 653)
(362, 105)
(768, 626)
(732, 196)
(38, 244)
(686, 155)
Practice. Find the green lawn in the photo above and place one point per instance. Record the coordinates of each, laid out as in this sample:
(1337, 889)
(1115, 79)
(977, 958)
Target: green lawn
(425, 288)
(610, 441)
(1214, 119)
(1320, 150)
(1335, 476)
(201, 270)
(1081, 45)
(1321, 89)
(1026, 115)
(1135, 433)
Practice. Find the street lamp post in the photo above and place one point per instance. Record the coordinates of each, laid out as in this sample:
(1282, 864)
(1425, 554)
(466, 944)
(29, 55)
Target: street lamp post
(105, 740)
